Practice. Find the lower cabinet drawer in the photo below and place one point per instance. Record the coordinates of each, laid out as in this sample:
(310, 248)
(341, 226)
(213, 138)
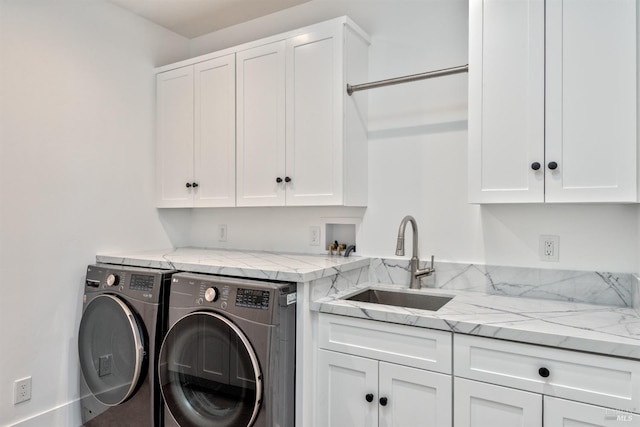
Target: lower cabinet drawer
(601, 380)
(405, 345)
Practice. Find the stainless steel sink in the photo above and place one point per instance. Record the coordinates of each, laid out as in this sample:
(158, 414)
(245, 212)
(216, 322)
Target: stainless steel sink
(401, 299)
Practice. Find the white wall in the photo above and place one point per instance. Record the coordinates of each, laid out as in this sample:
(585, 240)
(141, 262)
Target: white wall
(76, 177)
(417, 157)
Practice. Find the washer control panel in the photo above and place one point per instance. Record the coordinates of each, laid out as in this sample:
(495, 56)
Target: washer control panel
(253, 298)
(141, 282)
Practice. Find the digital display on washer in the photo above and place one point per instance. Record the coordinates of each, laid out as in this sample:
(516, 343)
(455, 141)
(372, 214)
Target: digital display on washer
(252, 298)
(141, 282)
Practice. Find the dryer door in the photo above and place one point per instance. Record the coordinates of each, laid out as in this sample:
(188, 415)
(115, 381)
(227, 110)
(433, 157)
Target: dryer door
(209, 373)
(111, 347)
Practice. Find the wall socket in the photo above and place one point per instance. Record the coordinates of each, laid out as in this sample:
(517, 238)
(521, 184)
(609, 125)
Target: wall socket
(21, 390)
(549, 248)
(314, 235)
(222, 233)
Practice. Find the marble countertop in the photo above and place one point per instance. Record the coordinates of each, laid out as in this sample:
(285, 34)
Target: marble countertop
(600, 329)
(255, 265)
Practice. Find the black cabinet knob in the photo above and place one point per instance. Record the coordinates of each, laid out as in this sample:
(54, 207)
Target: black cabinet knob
(544, 372)
(383, 401)
(369, 397)
(535, 166)
(287, 179)
(278, 180)
(195, 184)
(188, 185)
(552, 165)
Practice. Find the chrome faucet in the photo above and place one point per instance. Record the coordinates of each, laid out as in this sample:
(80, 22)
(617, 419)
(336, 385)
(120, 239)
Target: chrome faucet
(416, 273)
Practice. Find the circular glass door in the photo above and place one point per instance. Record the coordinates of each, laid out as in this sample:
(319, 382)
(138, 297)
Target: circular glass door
(209, 373)
(111, 347)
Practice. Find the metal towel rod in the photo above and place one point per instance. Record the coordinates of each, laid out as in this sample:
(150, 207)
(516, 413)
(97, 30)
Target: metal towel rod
(407, 79)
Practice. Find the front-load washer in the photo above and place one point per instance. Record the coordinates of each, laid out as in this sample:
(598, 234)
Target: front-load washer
(123, 322)
(228, 358)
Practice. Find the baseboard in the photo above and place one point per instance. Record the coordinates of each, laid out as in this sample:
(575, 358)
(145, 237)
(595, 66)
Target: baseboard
(68, 415)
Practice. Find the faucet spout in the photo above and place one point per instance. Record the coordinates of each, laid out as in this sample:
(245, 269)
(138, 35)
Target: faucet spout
(416, 272)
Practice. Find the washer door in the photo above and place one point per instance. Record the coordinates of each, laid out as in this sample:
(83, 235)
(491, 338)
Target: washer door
(209, 373)
(112, 349)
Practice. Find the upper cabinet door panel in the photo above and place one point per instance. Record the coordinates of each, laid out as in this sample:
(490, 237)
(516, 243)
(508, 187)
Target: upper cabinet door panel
(174, 128)
(506, 100)
(261, 125)
(215, 132)
(314, 117)
(591, 98)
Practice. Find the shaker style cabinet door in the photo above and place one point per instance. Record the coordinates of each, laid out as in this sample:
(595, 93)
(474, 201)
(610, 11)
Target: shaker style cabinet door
(215, 133)
(506, 101)
(480, 404)
(347, 392)
(415, 397)
(174, 146)
(591, 95)
(315, 94)
(260, 78)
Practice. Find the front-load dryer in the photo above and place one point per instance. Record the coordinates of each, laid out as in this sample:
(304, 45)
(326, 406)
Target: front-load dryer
(123, 322)
(228, 358)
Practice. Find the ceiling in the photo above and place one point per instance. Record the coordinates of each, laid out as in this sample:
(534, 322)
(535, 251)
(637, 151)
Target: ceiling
(193, 18)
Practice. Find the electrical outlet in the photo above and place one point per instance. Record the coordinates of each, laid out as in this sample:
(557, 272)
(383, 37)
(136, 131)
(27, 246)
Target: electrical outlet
(549, 248)
(222, 233)
(22, 390)
(314, 235)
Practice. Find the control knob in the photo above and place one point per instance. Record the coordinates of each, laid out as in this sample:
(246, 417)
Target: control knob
(211, 294)
(112, 280)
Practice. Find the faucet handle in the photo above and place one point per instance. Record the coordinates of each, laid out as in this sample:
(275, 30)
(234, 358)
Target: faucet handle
(432, 267)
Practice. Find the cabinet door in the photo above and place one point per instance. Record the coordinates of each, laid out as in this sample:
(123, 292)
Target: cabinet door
(566, 413)
(415, 398)
(591, 100)
(480, 405)
(506, 101)
(174, 139)
(215, 132)
(344, 382)
(315, 93)
(261, 125)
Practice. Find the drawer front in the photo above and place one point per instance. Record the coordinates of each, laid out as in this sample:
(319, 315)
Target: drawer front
(596, 379)
(405, 345)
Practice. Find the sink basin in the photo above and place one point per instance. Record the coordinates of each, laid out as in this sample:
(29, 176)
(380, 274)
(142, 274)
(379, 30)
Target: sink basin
(401, 299)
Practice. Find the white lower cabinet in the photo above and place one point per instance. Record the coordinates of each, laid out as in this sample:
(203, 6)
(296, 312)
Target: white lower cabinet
(502, 383)
(371, 373)
(355, 391)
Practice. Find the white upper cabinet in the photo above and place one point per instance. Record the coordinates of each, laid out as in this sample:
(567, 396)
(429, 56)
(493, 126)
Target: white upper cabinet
(261, 125)
(552, 101)
(273, 127)
(591, 101)
(174, 139)
(196, 135)
(296, 140)
(506, 100)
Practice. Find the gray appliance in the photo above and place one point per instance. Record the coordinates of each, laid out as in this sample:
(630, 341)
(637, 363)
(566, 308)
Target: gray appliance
(228, 358)
(123, 322)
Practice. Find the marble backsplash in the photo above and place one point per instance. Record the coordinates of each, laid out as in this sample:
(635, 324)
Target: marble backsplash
(604, 288)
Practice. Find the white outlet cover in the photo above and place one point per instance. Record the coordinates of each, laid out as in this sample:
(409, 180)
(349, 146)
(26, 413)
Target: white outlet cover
(549, 248)
(22, 390)
(314, 235)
